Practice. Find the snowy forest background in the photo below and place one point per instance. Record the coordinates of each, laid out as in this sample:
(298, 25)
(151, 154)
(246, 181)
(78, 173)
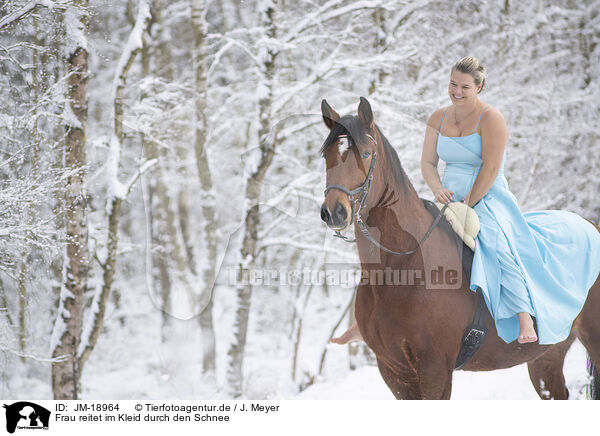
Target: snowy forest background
(151, 148)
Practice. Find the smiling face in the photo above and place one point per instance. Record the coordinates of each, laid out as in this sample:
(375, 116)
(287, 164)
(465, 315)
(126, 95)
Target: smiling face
(462, 89)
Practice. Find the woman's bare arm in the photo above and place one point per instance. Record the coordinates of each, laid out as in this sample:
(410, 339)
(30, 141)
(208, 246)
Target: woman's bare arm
(494, 136)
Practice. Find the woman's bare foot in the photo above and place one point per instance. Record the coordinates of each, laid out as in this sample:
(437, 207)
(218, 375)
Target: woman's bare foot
(352, 334)
(526, 331)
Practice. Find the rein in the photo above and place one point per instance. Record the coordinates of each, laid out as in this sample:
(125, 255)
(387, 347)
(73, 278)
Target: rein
(364, 189)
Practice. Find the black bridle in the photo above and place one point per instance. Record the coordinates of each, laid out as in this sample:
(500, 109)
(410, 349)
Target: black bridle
(364, 190)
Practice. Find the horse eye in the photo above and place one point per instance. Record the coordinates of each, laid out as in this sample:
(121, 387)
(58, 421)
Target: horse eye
(365, 154)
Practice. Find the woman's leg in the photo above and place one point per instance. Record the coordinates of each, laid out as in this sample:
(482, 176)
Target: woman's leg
(352, 334)
(514, 293)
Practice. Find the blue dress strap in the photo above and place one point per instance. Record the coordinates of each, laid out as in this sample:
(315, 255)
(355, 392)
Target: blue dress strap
(442, 122)
(481, 115)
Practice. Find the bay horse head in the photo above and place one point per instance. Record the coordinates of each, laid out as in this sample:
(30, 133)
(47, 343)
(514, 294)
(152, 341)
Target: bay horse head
(350, 153)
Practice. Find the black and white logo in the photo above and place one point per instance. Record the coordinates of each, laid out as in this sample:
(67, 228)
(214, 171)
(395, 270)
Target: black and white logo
(26, 415)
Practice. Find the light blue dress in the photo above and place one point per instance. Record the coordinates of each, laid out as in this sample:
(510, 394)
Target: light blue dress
(542, 263)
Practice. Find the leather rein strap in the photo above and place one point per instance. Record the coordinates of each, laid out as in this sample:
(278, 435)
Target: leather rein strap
(357, 205)
(365, 231)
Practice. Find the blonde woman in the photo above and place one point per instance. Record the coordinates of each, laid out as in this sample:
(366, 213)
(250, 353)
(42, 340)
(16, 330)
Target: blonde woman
(527, 265)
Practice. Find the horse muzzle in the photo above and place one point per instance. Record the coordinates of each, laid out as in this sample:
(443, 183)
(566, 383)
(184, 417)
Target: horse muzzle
(336, 219)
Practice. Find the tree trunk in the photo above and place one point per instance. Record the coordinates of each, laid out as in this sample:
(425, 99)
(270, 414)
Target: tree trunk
(171, 262)
(67, 329)
(207, 195)
(379, 46)
(159, 271)
(117, 192)
(253, 190)
(23, 307)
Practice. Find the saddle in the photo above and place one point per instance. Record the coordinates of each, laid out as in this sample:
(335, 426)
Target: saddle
(463, 220)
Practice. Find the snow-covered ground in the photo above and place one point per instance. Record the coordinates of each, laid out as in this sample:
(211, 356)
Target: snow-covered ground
(172, 371)
(131, 362)
(364, 383)
(507, 384)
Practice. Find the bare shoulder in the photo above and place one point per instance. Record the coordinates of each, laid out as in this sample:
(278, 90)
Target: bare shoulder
(436, 118)
(492, 119)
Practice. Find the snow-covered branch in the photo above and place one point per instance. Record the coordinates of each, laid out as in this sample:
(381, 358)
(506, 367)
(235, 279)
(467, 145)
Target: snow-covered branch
(329, 11)
(134, 44)
(28, 8)
(31, 356)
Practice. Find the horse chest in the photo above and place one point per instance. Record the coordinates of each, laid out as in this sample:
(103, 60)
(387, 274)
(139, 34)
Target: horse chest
(381, 323)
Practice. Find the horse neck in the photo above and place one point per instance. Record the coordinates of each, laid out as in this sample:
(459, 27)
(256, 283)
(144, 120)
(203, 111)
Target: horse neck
(398, 219)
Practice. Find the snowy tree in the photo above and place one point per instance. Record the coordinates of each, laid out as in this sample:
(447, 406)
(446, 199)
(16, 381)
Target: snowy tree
(198, 8)
(267, 11)
(68, 327)
(117, 190)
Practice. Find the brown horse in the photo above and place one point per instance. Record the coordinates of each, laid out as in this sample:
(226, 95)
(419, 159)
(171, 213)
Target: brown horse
(414, 324)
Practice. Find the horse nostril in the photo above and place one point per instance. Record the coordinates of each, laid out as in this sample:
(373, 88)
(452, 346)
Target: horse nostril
(325, 215)
(339, 213)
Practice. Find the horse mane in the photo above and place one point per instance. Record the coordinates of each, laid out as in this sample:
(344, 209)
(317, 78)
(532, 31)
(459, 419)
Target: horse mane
(402, 180)
(391, 156)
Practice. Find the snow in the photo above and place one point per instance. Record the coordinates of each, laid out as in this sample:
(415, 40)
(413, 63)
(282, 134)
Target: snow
(507, 384)
(155, 370)
(75, 30)
(70, 118)
(116, 189)
(134, 43)
(252, 159)
(89, 320)
(60, 325)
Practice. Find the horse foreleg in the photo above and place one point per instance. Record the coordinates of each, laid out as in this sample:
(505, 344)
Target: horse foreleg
(546, 372)
(430, 380)
(435, 378)
(402, 383)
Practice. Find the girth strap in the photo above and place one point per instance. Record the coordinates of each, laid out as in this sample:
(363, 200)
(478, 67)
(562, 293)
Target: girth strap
(474, 334)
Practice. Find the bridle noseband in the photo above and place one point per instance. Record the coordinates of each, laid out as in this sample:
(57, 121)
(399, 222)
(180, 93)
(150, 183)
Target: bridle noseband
(364, 190)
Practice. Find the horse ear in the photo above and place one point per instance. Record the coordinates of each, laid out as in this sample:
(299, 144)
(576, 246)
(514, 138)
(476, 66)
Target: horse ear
(330, 117)
(365, 114)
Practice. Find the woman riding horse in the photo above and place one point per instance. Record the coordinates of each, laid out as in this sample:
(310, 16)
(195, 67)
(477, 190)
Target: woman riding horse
(475, 141)
(539, 264)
